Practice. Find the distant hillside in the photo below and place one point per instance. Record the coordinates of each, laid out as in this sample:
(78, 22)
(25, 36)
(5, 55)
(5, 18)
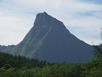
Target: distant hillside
(49, 40)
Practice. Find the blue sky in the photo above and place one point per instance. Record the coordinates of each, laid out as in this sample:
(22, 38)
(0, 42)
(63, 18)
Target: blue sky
(83, 18)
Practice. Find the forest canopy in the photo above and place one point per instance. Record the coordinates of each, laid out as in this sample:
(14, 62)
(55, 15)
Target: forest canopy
(19, 66)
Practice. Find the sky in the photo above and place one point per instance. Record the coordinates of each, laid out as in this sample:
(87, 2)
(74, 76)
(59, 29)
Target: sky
(83, 18)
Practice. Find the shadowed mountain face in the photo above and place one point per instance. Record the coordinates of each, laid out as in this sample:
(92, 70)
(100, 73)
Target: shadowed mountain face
(49, 40)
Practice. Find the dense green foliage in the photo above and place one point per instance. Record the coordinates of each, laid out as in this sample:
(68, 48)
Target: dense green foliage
(8, 61)
(98, 51)
(18, 66)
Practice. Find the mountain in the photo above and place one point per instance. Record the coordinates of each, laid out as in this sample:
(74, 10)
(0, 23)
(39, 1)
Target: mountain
(49, 40)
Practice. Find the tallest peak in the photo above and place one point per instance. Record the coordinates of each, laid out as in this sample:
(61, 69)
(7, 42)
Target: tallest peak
(45, 19)
(44, 13)
(42, 19)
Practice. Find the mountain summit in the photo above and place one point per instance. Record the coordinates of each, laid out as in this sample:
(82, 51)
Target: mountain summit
(49, 40)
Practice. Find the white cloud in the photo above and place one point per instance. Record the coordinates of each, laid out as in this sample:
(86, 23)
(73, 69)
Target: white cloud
(17, 17)
(13, 28)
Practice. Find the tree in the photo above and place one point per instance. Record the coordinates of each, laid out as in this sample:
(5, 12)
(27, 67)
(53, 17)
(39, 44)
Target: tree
(98, 51)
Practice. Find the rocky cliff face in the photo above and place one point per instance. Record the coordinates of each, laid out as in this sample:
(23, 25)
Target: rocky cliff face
(50, 40)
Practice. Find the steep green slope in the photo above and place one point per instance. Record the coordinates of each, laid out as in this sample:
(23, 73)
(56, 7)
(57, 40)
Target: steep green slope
(49, 39)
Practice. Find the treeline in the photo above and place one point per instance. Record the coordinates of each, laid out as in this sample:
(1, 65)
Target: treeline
(91, 69)
(19, 66)
(7, 61)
